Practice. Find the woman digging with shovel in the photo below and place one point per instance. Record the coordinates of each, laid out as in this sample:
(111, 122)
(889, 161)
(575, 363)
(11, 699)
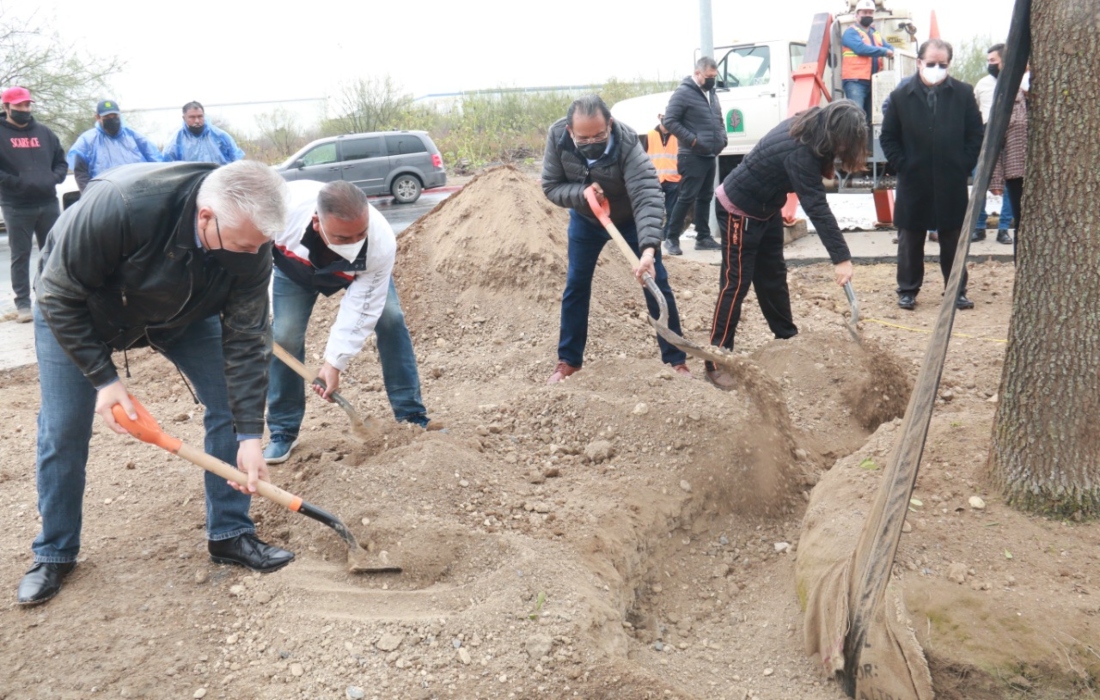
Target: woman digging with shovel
(792, 157)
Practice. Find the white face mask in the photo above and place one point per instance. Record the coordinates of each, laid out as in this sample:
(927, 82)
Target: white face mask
(934, 75)
(347, 251)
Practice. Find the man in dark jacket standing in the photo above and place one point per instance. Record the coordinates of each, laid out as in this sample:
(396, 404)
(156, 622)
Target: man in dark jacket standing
(932, 135)
(177, 258)
(694, 117)
(32, 164)
(587, 150)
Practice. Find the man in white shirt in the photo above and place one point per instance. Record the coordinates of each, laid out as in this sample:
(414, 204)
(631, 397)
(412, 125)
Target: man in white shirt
(335, 240)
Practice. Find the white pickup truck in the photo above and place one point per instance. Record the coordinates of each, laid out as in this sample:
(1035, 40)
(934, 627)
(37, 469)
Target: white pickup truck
(755, 82)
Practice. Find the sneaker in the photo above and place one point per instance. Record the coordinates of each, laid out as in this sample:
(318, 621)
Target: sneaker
(278, 450)
(672, 247)
(1003, 237)
(563, 370)
(23, 316)
(682, 370)
(907, 301)
(963, 303)
(977, 236)
(721, 380)
(706, 243)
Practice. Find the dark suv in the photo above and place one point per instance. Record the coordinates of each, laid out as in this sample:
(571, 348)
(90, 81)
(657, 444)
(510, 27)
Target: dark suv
(399, 162)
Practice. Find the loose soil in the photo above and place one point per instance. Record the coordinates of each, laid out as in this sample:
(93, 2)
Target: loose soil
(625, 534)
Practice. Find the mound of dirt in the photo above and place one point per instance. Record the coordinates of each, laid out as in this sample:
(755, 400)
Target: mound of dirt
(836, 390)
(499, 233)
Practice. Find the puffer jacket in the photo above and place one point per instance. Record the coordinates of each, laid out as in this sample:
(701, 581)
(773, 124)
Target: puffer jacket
(122, 269)
(625, 173)
(777, 166)
(696, 123)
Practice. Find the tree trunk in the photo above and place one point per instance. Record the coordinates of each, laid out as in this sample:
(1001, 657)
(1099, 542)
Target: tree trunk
(1046, 439)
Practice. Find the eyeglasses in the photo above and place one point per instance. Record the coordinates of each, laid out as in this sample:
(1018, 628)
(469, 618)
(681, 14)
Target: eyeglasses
(933, 64)
(591, 139)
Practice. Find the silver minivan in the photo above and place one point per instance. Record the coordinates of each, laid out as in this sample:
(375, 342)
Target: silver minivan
(402, 163)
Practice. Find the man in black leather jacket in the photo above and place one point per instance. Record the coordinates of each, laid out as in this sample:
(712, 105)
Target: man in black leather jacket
(176, 258)
(587, 150)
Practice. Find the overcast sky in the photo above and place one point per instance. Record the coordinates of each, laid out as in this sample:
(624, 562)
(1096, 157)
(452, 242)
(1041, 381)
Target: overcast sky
(236, 51)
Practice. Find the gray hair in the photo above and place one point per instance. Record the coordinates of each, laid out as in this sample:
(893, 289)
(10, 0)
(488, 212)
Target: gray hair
(341, 199)
(705, 63)
(193, 104)
(246, 190)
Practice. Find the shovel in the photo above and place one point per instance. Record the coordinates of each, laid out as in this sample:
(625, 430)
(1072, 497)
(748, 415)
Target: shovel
(709, 353)
(853, 304)
(364, 430)
(146, 429)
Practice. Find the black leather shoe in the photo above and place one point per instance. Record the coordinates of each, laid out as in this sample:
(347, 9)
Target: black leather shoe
(963, 303)
(907, 301)
(978, 236)
(672, 247)
(42, 582)
(1003, 237)
(248, 551)
(706, 243)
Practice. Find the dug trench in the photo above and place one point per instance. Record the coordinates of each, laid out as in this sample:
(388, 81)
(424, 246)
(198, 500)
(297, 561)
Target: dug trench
(625, 534)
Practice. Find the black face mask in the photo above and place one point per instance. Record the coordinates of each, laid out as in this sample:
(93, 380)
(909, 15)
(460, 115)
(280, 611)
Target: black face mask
(592, 151)
(21, 118)
(708, 84)
(995, 71)
(112, 124)
(233, 262)
(196, 130)
(866, 21)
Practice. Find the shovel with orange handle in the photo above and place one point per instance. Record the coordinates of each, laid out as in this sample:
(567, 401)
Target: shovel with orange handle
(146, 429)
(709, 353)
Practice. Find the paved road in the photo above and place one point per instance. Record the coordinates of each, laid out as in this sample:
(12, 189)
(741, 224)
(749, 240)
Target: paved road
(401, 216)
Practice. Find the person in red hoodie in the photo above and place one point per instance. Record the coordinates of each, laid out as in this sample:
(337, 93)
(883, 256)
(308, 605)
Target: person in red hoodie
(32, 165)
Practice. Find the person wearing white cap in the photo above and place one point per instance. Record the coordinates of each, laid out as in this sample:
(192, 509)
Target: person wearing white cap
(32, 164)
(861, 58)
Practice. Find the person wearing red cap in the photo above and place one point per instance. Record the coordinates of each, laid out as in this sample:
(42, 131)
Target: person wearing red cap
(32, 164)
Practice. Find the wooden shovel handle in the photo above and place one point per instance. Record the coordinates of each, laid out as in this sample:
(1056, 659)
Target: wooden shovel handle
(293, 363)
(146, 429)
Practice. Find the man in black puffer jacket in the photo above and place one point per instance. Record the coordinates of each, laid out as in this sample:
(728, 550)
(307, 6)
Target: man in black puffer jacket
(694, 117)
(587, 150)
(792, 157)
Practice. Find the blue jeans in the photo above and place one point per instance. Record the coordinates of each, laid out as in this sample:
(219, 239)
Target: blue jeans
(859, 91)
(586, 240)
(22, 222)
(286, 395)
(65, 427)
(1005, 222)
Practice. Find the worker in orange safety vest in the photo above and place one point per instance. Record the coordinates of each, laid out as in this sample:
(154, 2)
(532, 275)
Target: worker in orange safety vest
(661, 146)
(862, 56)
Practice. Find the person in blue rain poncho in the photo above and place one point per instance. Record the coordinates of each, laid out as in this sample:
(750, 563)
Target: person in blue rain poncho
(199, 142)
(107, 145)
